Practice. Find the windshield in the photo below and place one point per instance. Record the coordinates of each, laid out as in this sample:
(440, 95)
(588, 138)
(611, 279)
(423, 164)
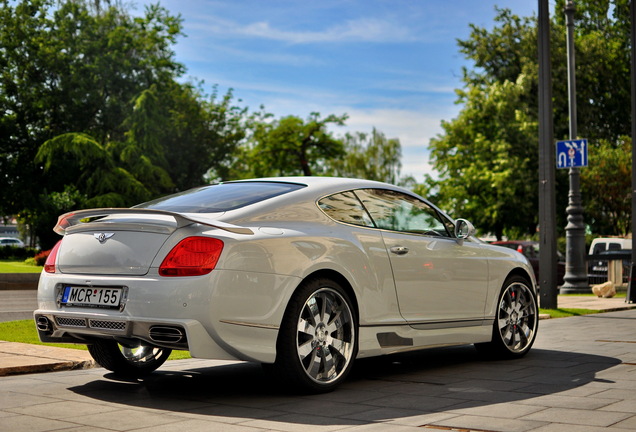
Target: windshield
(220, 197)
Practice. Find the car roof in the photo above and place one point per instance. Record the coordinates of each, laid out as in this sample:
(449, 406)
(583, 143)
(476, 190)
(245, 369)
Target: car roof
(317, 187)
(321, 182)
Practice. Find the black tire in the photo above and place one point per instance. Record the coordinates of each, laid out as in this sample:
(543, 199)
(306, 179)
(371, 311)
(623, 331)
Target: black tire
(127, 360)
(317, 341)
(516, 321)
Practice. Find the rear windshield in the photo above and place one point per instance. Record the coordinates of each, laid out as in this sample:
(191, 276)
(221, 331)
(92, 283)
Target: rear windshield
(220, 197)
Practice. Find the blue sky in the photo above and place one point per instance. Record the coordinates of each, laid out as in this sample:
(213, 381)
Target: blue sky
(388, 64)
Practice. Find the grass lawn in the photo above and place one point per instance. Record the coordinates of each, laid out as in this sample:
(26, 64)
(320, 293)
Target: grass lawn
(563, 313)
(24, 331)
(619, 294)
(18, 267)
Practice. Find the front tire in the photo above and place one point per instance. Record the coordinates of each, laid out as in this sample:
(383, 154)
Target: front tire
(132, 361)
(516, 321)
(317, 342)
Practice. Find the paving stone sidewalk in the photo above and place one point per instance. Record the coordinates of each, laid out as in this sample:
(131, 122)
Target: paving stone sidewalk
(16, 358)
(580, 376)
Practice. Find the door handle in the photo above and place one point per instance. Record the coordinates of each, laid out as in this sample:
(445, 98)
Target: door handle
(399, 250)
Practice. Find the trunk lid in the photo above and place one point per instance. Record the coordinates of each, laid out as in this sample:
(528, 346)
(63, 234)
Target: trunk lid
(109, 252)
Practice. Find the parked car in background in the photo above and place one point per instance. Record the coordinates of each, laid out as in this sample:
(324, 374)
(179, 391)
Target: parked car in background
(602, 244)
(606, 250)
(302, 274)
(530, 249)
(11, 241)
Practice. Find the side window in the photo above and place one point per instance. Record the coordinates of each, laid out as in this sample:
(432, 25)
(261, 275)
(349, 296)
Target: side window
(345, 207)
(396, 211)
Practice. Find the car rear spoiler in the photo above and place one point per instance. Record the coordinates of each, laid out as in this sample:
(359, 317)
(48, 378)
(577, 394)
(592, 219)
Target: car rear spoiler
(68, 220)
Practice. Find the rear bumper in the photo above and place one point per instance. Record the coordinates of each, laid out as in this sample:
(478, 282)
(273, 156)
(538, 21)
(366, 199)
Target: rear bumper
(225, 315)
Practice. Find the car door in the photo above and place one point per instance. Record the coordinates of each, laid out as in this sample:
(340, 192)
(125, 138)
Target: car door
(439, 280)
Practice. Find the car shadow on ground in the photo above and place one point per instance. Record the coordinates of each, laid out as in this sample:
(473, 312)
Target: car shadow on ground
(429, 381)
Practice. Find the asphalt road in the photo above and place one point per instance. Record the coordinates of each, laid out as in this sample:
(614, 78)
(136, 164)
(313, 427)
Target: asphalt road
(17, 304)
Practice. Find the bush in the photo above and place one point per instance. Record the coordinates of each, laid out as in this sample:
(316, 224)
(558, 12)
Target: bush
(16, 253)
(31, 262)
(40, 258)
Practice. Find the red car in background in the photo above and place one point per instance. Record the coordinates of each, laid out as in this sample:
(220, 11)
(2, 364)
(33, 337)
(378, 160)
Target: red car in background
(530, 249)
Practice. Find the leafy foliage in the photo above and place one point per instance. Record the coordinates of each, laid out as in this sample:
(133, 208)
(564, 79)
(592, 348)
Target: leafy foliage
(488, 156)
(484, 158)
(89, 98)
(288, 146)
(368, 156)
(606, 183)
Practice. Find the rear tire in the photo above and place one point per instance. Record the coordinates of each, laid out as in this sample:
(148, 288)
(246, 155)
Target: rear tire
(516, 321)
(133, 361)
(317, 342)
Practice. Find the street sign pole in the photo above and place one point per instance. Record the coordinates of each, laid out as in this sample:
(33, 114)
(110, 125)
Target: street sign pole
(575, 267)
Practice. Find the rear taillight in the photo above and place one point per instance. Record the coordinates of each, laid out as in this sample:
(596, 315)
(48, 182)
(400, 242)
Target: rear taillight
(192, 256)
(49, 265)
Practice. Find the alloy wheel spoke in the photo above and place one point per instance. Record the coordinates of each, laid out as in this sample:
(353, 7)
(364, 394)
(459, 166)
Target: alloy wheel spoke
(306, 327)
(314, 312)
(313, 368)
(327, 307)
(329, 365)
(305, 349)
(342, 347)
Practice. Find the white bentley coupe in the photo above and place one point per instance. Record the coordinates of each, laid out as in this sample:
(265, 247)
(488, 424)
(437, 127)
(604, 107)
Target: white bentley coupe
(303, 274)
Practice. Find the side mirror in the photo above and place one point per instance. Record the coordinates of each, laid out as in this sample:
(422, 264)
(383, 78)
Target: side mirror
(463, 229)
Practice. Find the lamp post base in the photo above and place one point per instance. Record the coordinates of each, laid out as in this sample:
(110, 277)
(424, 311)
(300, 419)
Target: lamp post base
(575, 289)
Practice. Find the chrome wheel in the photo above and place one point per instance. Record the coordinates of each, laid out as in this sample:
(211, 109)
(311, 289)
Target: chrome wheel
(516, 321)
(517, 317)
(129, 360)
(325, 338)
(142, 354)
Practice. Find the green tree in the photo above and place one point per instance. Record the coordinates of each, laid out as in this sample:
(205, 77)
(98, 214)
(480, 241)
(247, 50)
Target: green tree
(89, 97)
(489, 153)
(487, 172)
(203, 136)
(288, 146)
(69, 67)
(606, 184)
(99, 178)
(368, 156)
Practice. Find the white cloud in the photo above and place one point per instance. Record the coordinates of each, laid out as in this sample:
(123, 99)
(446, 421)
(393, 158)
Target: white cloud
(413, 128)
(357, 30)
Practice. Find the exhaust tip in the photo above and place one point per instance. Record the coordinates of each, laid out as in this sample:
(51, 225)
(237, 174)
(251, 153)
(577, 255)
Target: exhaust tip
(165, 334)
(43, 323)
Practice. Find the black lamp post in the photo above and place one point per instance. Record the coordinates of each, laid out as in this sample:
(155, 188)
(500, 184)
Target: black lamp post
(547, 202)
(575, 266)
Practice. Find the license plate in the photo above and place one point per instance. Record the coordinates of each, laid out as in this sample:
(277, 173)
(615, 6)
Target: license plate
(91, 296)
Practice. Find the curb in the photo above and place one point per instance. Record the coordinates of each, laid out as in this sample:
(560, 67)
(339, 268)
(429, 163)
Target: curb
(19, 281)
(20, 358)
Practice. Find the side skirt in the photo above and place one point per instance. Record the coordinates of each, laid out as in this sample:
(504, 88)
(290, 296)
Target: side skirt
(389, 339)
